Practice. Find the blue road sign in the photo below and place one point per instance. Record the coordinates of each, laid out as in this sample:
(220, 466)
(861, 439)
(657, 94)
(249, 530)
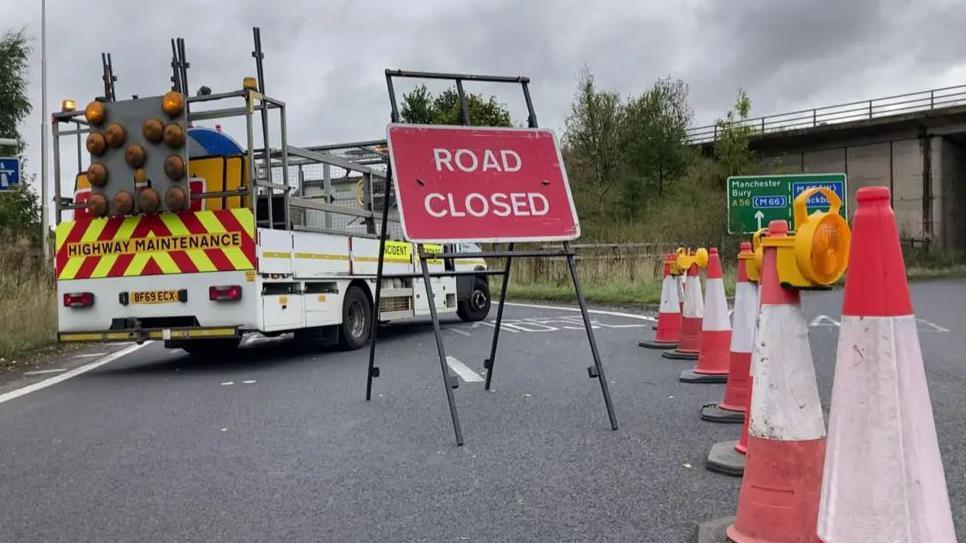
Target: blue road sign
(819, 200)
(9, 172)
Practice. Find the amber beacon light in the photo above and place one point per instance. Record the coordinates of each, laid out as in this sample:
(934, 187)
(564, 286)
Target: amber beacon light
(172, 103)
(817, 254)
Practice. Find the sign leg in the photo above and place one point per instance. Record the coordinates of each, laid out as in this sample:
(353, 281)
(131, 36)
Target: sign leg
(374, 326)
(598, 369)
(447, 384)
(488, 363)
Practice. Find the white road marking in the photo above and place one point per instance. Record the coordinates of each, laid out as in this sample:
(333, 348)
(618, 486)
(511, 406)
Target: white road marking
(460, 332)
(227, 383)
(249, 382)
(596, 311)
(464, 371)
(932, 325)
(89, 355)
(824, 320)
(14, 394)
(492, 324)
(42, 372)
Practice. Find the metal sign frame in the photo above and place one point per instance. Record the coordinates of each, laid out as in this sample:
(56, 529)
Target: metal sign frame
(450, 382)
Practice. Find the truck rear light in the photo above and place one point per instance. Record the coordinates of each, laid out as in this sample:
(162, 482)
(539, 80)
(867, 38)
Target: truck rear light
(78, 299)
(224, 293)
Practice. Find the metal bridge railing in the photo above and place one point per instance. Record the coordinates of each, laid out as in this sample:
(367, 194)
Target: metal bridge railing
(841, 113)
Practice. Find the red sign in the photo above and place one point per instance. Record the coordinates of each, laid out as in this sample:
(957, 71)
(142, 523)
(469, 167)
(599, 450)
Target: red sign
(480, 184)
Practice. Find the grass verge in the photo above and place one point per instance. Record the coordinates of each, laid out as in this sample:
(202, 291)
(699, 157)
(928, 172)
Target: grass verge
(28, 307)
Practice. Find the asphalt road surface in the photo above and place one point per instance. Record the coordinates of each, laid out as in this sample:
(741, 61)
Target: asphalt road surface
(277, 443)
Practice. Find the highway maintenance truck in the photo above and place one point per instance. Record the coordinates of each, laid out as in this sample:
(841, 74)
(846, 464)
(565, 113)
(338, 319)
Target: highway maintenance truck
(175, 231)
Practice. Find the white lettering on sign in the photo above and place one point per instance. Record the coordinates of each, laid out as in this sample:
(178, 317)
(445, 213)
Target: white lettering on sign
(467, 161)
(500, 204)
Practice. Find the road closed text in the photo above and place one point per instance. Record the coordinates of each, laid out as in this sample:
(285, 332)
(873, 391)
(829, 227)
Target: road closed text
(498, 204)
(474, 204)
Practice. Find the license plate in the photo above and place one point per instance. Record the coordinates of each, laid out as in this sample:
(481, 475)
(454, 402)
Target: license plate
(158, 297)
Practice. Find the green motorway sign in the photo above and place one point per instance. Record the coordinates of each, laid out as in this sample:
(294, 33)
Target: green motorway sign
(754, 200)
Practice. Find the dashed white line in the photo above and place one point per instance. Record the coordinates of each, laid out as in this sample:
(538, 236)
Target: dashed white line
(89, 355)
(14, 394)
(463, 370)
(460, 332)
(594, 311)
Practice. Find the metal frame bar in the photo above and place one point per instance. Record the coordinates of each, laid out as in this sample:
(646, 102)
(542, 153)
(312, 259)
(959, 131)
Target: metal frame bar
(849, 111)
(449, 381)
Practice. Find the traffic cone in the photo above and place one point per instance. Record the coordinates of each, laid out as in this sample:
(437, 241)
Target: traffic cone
(669, 315)
(734, 404)
(679, 282)
(786, 434)
(689, 345)
(712, 364)
(884, 478)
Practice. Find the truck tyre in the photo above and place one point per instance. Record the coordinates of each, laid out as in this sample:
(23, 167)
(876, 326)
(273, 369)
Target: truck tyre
(356, 319)
(477, 306)
(211, 347)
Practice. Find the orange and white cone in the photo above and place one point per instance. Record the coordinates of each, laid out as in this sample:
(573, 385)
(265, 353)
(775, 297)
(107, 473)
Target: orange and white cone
(734, 404)
(689, 345)
(786, 434)
(713, 357)
(884, 478)
(679, 282)
(669, 315)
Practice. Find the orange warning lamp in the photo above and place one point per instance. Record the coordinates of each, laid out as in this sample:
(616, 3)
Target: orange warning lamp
(676, 269)
(172, 103)
(753, 264)
(686, 258)
(94, 113)
(817, 254)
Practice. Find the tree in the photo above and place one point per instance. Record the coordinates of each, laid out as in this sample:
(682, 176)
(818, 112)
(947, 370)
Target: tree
(420, 107)
(593, 137)
(19, 209)
(417, 106)
(14, 103)
(655, 135)
(731, 148)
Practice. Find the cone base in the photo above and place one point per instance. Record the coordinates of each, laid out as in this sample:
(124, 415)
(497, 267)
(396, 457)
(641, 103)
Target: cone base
(713, 531)
(715, 413)
(655, 344)
(724, 459)
(680, 355)
(780, 491)
(691, 376)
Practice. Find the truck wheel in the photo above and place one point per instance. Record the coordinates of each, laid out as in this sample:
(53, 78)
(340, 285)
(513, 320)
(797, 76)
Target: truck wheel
(210, 347)
(477, 306)
(356, 319)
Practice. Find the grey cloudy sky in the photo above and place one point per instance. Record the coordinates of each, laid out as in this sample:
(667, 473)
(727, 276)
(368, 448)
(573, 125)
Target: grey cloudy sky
(325, 58)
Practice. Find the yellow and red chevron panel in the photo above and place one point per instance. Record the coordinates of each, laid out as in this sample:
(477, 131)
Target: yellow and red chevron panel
(169, 243)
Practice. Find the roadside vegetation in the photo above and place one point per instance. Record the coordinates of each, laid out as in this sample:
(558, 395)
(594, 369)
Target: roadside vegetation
(27, 306)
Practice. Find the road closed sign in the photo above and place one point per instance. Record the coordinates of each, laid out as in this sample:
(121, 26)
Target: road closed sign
(480, 184)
